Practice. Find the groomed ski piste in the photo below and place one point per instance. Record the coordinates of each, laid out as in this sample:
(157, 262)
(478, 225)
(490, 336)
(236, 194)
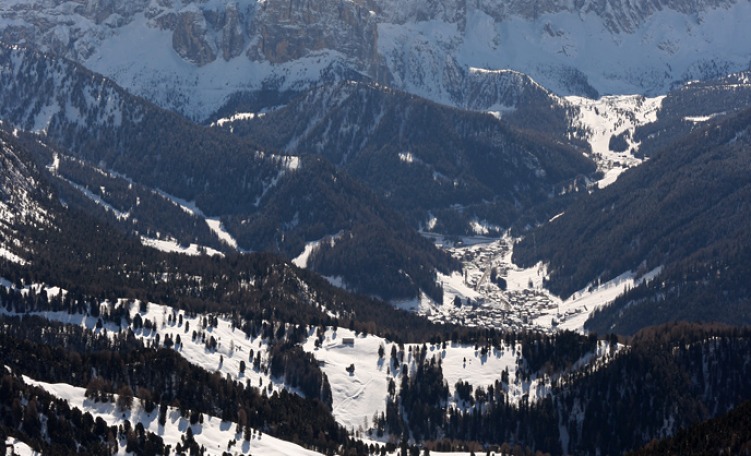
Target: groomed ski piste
(609, 117)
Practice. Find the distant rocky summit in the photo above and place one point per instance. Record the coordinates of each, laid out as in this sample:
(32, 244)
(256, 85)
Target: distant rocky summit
(193, 57)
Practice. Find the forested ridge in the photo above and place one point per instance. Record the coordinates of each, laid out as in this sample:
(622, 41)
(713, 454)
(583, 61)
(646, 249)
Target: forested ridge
(727, 434)
(685, 108)
(424, 158)
(264, 198)
(685, 210)
(670, 377)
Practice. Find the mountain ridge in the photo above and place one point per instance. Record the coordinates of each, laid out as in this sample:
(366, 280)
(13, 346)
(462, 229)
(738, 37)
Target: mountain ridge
(684, 210)
(429, 161)
(192, 58)
(166, 152)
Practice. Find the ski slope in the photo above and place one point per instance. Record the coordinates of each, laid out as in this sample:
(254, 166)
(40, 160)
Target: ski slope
(609, 117)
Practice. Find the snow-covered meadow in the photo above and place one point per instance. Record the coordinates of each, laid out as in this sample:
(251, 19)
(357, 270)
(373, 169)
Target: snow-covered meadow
(357, 396)
(213, 434)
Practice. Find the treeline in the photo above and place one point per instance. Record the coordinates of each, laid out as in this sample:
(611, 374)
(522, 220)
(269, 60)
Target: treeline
(51, 426)
(270, 319)
(249, 288)
(161, 377)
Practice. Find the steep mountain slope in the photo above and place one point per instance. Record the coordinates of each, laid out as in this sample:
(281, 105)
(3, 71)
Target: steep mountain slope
(729, 433)
(192, 56)
(685, 209)
(688, 107)
(609, 411)
(168, 335)
(51, 242)
(21, 201)
(113, 198)
(226, 177)
(445, 168)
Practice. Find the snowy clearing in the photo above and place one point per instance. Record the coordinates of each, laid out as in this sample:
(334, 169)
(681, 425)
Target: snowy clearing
(214, 434)
(301, 261)
(172, 246)
(232, 345)
(360, 395)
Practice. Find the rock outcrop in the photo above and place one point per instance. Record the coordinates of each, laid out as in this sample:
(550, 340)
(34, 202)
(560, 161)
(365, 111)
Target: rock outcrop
(190, 38)
(425, 47)
(287, 30)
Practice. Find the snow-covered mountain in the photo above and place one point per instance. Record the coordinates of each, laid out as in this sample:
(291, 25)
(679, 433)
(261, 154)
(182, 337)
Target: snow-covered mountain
(192, 56)
(428, 161)
(263, 199)
(683, 211)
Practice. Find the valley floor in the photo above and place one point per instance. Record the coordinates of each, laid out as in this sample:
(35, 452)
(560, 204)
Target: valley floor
(517, 299)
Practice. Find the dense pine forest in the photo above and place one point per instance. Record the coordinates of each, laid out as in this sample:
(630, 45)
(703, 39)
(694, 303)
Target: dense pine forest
(677, 374)
(727, 434)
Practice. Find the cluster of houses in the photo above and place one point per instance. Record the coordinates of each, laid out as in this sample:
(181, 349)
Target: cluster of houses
(485, 272)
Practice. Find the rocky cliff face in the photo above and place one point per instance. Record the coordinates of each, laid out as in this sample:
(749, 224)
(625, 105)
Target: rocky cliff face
(286, 30)
(428, 48)
(189, 38)
(618, 16)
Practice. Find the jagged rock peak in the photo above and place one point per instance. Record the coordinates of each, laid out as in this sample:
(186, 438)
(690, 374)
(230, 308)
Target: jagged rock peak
(424, 47)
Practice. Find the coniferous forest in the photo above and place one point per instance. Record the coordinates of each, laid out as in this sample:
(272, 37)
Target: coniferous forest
(342, 228)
